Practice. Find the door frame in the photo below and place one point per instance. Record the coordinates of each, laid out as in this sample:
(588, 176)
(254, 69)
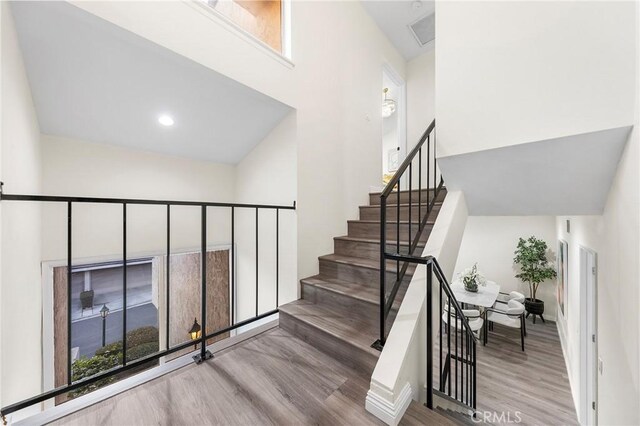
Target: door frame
(588, 328)
(401, 101)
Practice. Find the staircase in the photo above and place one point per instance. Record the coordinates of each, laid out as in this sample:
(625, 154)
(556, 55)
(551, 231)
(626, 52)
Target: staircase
(340, 307)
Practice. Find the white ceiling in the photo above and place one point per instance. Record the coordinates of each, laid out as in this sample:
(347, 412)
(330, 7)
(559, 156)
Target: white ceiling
(394, 17)
(564, 176)
(94, 81)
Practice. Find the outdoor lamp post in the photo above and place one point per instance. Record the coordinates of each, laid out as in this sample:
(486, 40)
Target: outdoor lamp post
(103, 313)
(195, 331)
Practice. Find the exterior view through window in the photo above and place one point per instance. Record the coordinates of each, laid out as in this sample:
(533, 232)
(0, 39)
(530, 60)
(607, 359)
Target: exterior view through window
(260, 18)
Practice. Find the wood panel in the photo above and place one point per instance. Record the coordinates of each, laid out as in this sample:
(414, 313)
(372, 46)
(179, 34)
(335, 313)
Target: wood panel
(185, 300)
(260, 18)
(60, 336)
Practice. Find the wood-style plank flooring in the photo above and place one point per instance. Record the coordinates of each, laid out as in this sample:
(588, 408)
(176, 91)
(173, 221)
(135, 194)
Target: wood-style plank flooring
(272, 379)
(533, 383)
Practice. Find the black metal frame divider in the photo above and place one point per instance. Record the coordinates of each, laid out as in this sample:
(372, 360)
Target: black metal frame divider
(203, 354)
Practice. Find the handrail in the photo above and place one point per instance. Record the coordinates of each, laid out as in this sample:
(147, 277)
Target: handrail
(442, 280)
(409, 158)
(206, 333)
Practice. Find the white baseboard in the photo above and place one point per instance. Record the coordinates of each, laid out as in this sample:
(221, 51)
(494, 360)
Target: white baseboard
(51, 414)
(390, 413)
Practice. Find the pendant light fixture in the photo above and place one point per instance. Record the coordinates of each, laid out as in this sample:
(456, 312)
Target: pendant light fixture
(388, 105)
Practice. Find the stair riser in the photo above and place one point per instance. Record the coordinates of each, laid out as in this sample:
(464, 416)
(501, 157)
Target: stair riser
(344, 352)
(374, 199)
(358, 274)
(372, 230)
(323, 296)
(365, 250)
(373, 212)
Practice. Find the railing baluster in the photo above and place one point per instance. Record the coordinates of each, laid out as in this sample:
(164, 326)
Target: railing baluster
(449, 346)
(168, 268)
(203, 291)
(435, 182)
(383, 268)
(410, 203)
(428, 171)
(420, 189)
(440, 382)
(458, 318)
(277, 256)
(257, 269)
(429, 314)
(124, 284)
(462, 365)
(233, 266)
(69, 261)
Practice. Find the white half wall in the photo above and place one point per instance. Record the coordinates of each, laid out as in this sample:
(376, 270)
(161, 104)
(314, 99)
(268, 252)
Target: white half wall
(491, 240)
(512, 72)
(402, 363)
(20, 298)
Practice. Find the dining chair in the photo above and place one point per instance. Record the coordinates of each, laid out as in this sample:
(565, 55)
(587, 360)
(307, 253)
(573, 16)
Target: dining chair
(474, 317)
(502, 303)
(512, 317)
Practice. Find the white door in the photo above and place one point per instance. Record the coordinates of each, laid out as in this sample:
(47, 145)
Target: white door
(589, 369)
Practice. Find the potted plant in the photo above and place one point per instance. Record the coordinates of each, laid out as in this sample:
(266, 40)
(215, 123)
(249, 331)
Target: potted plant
(535, 268)
(471, 278)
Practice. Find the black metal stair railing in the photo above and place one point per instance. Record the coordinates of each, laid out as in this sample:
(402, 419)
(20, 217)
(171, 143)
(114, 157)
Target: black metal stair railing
(405, 174)
(457, 355)
(203, 353)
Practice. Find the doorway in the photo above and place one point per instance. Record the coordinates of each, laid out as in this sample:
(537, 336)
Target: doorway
(394, 122)
(589, 337)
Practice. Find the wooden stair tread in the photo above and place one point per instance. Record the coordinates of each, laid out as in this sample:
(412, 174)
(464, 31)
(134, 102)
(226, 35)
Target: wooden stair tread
(361, 262)
(375, 240)
(349, 327)
(413, 204)
(363, 292)
(405, 191)
(390, 223)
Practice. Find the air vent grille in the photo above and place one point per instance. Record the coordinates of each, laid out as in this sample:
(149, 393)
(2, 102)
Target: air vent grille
(424, 29)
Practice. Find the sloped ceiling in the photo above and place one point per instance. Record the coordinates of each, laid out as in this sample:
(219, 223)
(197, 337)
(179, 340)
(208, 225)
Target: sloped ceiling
(97, 82)
(563, 176)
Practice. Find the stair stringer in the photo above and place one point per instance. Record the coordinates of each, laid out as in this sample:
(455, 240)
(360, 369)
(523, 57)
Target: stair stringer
(402, 362)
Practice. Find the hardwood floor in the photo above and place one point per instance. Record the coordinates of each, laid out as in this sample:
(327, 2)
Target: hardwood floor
(533, 383)
(272, 379)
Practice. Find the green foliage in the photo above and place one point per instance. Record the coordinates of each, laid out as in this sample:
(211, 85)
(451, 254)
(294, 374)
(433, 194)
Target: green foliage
(142, 350)
(87, 367)
(141, 335)
(141, 342)
(531, 258)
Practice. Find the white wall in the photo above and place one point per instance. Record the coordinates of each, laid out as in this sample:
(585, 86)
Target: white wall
(421, 95)
(514, 72)
(72, 167)
(615, 237)
(334, 85)
(20, 278)
(267, 175)
(491, 240)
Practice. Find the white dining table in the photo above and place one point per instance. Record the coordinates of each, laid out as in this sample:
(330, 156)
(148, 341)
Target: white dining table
(485, 296)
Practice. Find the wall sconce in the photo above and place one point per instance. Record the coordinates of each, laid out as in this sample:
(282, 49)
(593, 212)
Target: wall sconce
(195, 331)
(388, 105)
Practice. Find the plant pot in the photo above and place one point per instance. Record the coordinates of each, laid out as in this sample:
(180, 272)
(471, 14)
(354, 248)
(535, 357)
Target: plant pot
(534, 306)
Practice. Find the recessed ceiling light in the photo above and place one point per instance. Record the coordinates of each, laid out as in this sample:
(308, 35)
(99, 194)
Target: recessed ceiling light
(165, 120)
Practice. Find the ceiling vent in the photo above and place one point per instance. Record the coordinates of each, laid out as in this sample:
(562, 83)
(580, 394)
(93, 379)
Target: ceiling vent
(424, 29)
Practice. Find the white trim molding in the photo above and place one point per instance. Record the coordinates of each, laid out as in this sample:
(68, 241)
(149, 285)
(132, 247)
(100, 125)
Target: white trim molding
(390, 412)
